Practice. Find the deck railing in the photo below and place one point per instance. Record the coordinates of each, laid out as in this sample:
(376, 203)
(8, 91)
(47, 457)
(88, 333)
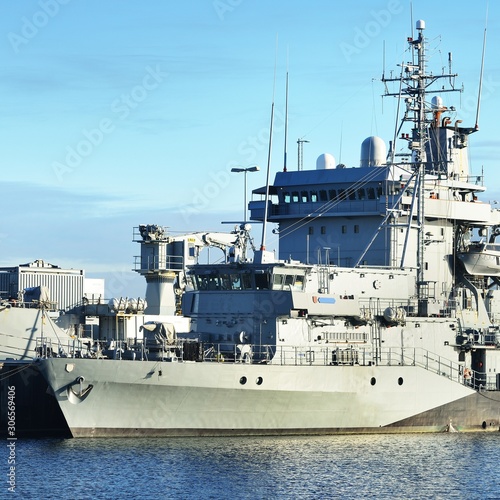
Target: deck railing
(188, 350)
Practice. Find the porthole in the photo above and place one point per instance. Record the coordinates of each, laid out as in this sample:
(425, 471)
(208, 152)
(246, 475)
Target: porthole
(373, 381)
(483, 425)
(243, 380)
(259, 381)
(400, 381)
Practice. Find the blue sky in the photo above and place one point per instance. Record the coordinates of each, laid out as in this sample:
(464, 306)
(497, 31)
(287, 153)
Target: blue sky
(120, 112)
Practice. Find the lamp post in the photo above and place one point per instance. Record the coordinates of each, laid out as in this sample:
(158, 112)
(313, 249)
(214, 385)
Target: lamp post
(245, 171)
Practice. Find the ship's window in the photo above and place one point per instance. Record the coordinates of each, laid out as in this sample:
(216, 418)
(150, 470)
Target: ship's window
(235, 282)
(278, 281)
(371, 193)
(314, 196)
(225, 282)
(304, 196)
(286, 197)
(352, 194)
(379, 191)
(373, 381)
(341, 194)
(262, 281)
(213, 283)
(311, 230)
(259, 380)
(400, 381)
(323, 229)
(289, 281)
(299, 283)
(361, 194)
(295, 196)
(333, 194)
(243, 380)
(356, 228)
(322, 195)
(426, 265)
(246, 281)
(344, 229)
(202, 282)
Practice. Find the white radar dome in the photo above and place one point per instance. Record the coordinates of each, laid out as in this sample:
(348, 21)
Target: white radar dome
(373, 152)
(437, 102)
(325, 161)
(421, 24)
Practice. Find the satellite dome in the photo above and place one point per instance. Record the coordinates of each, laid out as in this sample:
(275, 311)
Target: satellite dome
(437, 102)
(373, 152)
(325, 161)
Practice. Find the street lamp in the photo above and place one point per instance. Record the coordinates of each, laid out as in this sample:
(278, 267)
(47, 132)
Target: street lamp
(245, 171)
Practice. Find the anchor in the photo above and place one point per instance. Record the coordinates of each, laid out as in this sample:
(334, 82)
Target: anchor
(79, 396)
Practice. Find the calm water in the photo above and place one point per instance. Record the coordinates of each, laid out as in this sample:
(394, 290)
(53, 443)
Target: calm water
(380, 466)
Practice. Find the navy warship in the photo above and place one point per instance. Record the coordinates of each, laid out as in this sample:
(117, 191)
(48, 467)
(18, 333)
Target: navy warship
(379, 314)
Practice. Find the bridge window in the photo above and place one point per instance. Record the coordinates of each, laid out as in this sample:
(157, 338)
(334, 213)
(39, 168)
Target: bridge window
(304, 196)
(286, 197)
(314, 196)
(361, 193)
(333, 194)
(295, 196)
(262, 281)
(371, 193)
(225, 282)
(299, 283)
(278, 281)
(322, 195)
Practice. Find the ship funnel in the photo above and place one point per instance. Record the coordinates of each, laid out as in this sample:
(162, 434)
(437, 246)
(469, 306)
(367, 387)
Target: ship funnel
(325, 161)
(373, 152)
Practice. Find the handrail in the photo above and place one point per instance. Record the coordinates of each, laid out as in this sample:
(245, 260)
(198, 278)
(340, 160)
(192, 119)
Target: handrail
(318, 355)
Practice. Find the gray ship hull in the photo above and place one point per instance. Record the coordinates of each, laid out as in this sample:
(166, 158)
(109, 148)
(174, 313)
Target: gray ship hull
(101, 398)
(22, 330)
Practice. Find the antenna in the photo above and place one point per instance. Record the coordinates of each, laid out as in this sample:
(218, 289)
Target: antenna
(383, 60)
(286, 120)
(411, 19)
(481, 77)
(266, 206)
(341, 137)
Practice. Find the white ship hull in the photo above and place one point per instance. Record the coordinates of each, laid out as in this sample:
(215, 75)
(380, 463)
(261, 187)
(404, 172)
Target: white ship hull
(121, 398)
